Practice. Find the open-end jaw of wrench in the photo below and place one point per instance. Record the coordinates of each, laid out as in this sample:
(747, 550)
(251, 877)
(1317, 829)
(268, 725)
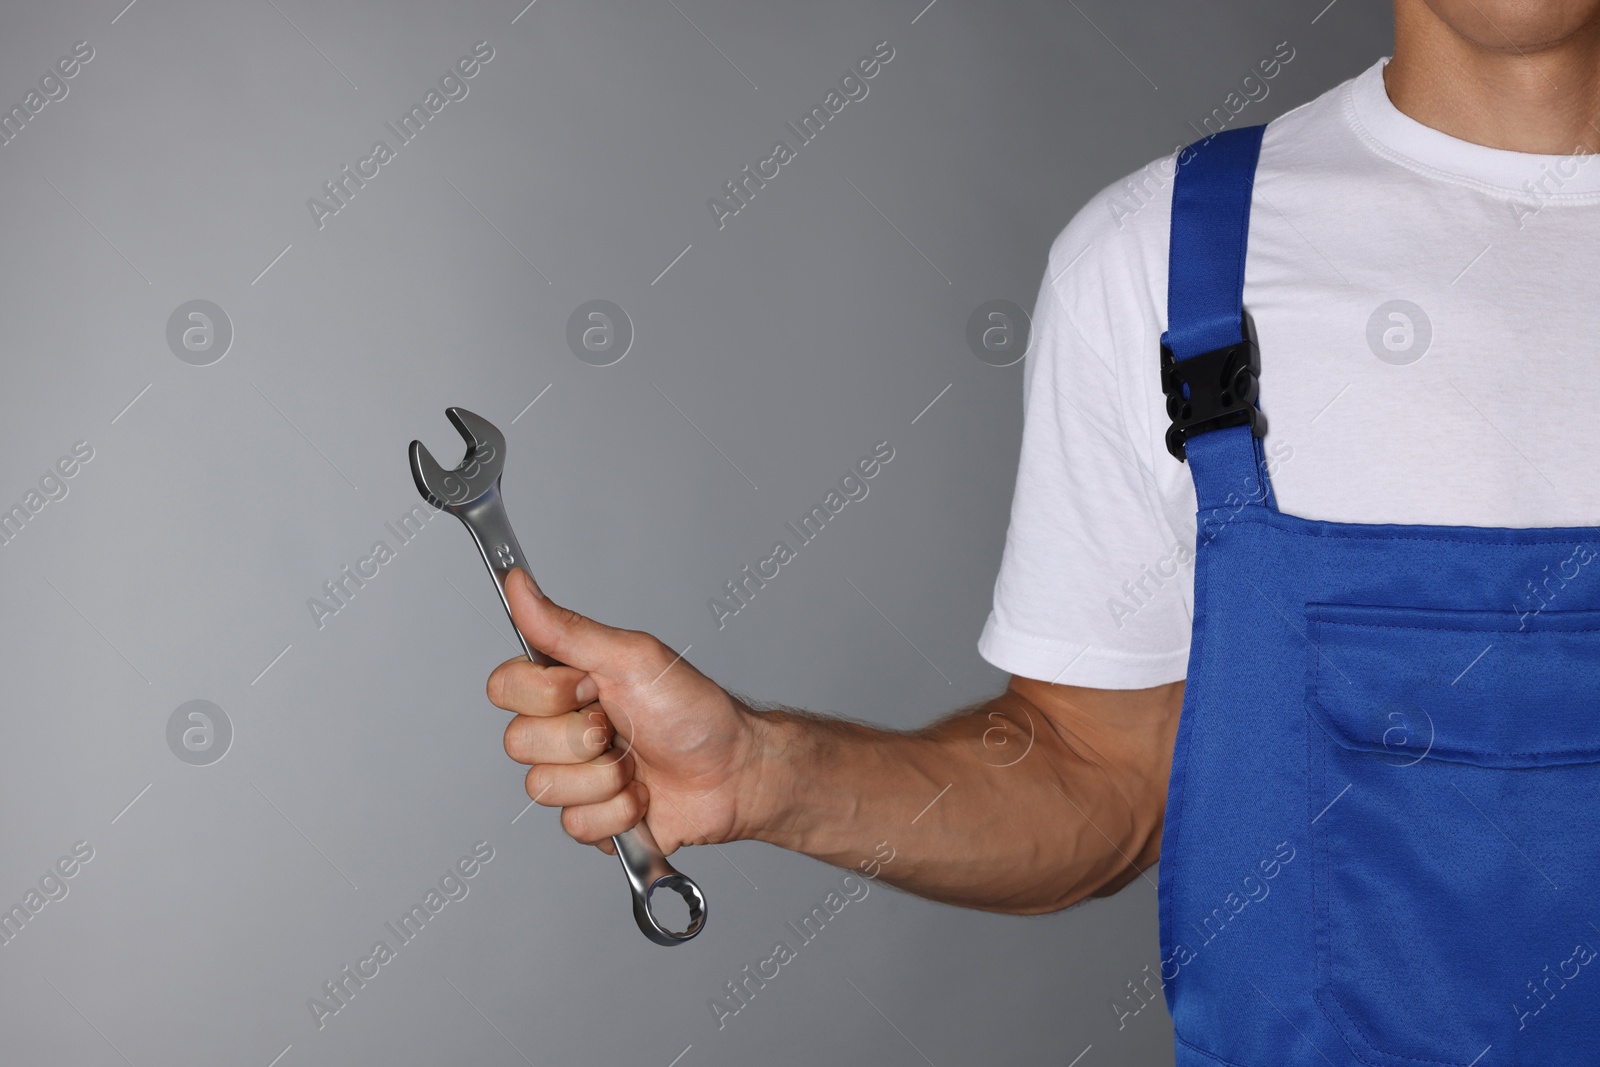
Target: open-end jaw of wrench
(471, 492)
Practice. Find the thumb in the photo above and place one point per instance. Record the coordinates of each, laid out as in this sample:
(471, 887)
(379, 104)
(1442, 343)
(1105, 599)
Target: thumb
(573, 639)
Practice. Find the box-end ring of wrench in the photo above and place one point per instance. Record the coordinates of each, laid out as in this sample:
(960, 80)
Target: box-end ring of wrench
(471, 492)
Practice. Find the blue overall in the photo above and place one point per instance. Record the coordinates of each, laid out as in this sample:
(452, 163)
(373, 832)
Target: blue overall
(1379, 844)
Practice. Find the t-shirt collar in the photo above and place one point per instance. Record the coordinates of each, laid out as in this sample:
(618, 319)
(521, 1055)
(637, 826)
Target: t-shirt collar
(1408, 142)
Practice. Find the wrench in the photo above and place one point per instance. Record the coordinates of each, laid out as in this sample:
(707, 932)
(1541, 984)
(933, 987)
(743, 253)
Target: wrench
(471, 492)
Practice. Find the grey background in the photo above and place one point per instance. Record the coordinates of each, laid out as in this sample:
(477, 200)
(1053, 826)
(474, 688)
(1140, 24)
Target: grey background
(366, 759)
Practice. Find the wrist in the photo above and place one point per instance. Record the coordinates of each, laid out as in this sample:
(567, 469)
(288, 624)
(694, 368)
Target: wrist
(767, 807)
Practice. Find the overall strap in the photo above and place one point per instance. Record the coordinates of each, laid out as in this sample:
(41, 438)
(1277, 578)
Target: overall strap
(1209, 359)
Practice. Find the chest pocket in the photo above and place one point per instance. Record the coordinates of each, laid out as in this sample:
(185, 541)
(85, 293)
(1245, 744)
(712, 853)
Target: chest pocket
(1454, 789)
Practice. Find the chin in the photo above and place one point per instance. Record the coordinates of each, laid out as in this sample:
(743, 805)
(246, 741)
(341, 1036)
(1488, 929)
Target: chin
(1518, 25)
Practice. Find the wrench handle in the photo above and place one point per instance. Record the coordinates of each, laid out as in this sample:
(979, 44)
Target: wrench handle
(485, 518)
(642, 860)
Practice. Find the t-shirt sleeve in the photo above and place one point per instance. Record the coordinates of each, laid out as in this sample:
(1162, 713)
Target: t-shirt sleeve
(1091, 589)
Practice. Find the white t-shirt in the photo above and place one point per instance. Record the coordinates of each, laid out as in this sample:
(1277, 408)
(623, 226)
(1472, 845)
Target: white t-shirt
(1430, 353)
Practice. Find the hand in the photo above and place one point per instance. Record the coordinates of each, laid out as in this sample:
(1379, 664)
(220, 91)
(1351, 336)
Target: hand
(627, 730)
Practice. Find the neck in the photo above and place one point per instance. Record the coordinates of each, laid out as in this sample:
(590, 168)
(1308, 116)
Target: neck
(1491, 89)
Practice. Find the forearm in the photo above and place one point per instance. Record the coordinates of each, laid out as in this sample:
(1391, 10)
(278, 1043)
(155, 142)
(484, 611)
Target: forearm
(999, 807)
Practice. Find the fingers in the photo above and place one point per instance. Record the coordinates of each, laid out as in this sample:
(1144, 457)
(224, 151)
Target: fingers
(595, 824)
(560, 786)
(560, 729)
(576, 737)
(529, 689)
(573, 638)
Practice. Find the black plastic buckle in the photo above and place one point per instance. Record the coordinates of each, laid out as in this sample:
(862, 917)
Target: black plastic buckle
(1212, 391)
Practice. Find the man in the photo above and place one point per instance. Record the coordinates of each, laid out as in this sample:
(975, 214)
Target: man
(1423, 243)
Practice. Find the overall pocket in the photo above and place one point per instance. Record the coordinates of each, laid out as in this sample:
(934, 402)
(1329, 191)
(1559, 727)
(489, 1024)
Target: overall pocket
(1454, 784)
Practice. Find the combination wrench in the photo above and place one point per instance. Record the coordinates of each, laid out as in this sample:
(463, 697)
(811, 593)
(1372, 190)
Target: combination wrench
(471, 492)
